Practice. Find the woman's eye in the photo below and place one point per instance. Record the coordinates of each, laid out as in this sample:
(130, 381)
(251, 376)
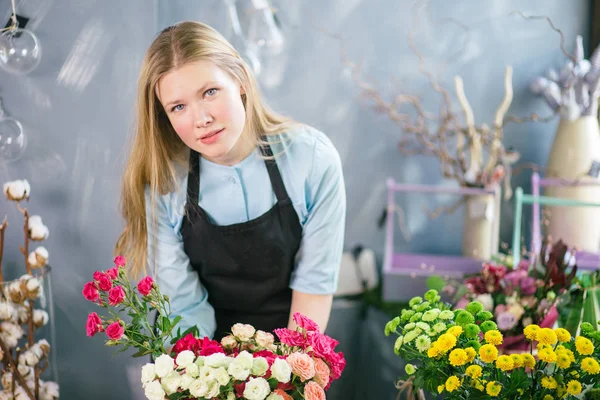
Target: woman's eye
(178, 107)
(211, 92)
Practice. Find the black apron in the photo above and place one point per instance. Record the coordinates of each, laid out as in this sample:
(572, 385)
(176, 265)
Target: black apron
(245, 267)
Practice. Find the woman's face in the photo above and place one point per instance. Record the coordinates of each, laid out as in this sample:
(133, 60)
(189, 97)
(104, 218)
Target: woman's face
(205, 108)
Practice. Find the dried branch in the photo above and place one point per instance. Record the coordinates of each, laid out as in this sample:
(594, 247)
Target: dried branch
(444, 209)
(2, 230)
(15, 371)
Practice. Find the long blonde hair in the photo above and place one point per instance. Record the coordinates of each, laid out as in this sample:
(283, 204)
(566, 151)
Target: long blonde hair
(156, 148)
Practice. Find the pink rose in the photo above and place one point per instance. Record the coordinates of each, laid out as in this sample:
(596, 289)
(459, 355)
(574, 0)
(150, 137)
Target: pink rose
(305, 323)
(302, 365)
(337, 363)
(104, 282)
(93, 325)
(115, 330)
(321, 345)
(90, 291)
(145, 286)
(116, 296)
(119, 261)
(97, 275)
(291, 338)
(113, 273)
(322, 372)
(312, 391)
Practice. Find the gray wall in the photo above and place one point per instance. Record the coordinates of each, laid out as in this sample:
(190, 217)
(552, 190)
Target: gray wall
(77, 109)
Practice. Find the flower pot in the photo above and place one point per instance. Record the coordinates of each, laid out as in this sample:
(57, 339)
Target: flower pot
(576, 145)
(481, 226)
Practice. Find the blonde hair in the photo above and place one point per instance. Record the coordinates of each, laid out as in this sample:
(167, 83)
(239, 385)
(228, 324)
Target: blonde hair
(156, 148)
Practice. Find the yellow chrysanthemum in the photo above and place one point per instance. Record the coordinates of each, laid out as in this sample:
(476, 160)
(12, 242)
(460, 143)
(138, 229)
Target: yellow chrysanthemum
(590, 365)
(530, 331)
(528, 360)
(505, 363)
(455, 330)
(446, 342)
(458, 357)
(488, 353)
(562, 349)
(471, 353)
(562, 334)
(434, 351)
(441, 388)
(474, 371)
(562, 359)
(548, 397)
(541, 346)
(452, 383)
(493, 388)
(547, 355)
(493, 337)
(574, 388)
(478, 385)
(584, 346)
(549, 382)
(546, 336)
(517, 360)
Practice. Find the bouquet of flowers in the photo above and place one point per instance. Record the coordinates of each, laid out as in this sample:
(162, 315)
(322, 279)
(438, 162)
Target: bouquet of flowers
(524, 294)
(247, 364)
(455, 353)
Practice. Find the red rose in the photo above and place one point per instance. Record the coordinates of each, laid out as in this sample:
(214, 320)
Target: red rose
(145, 286)
(119, 261)
(116, 296)
(113, 273)
(93, 325)
(115, 330)
(104, 282)
(188, 342)
(305, 323)
(208, 347)
(90, 291)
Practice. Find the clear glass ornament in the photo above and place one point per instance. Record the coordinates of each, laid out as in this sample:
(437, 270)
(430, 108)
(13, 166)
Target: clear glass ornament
(20, 51)
(12, 137)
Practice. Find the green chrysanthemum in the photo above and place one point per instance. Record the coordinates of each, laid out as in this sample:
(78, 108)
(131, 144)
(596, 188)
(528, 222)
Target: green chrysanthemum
(391, 326)
(484, 315)
(474, 307)
(414, 301)
(464, 317)
(446, 314)
(430, 295)
(416, 317)
(471, 331)
(488, 326)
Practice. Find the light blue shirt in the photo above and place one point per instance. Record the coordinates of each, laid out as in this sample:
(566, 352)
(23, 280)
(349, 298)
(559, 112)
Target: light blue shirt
(311, 170)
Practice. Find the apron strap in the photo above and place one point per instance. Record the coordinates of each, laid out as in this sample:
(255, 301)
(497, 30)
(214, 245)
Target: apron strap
(274, 174)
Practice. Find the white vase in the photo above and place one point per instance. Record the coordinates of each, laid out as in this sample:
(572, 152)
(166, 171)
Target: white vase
(576, 145)
(481, 226)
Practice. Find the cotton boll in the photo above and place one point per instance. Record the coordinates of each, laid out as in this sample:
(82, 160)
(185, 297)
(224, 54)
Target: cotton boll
(14, 292)
(39, 232)
(40, 318)
(17, 190)
(6, 311)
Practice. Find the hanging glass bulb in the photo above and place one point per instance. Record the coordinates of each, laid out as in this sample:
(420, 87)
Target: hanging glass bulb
(12, 137)
(20, 51)
(263, 33)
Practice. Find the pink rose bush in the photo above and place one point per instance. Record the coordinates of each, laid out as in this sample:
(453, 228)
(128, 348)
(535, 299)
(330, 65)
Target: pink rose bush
(247, 364)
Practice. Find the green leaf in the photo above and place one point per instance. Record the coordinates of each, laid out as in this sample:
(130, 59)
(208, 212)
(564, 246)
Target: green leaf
(591, 306)
(142, 353)
(571, 318)
(166, 324)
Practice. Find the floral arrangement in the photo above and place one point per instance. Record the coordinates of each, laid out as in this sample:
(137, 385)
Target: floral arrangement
(24, 358)
(247, 364)
(523, 294)
(455, 353)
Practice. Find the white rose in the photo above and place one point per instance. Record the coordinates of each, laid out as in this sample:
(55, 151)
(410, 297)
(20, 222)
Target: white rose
(186, 381)
(148, 374)
(229, 341)
(222, 376)
(264, 339)
(274, 396)
(199, 361)
(257, 389)
(216, 360)
(170, 383)
(231, 396)
(238, 371)
(198, 388)
(6, 311)
(154, 391)
(260, 366)
(164, 364)
(243, 332)
(486, 300)
(213, 389)
(192, 370)
(245, 358)
(185, 358)
(207, 373)
(281, 370)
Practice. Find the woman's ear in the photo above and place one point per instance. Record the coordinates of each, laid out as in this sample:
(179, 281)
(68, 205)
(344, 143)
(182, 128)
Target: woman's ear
(242, 90)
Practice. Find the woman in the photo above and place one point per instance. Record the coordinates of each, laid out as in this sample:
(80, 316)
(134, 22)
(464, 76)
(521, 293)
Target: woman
(238, 211)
